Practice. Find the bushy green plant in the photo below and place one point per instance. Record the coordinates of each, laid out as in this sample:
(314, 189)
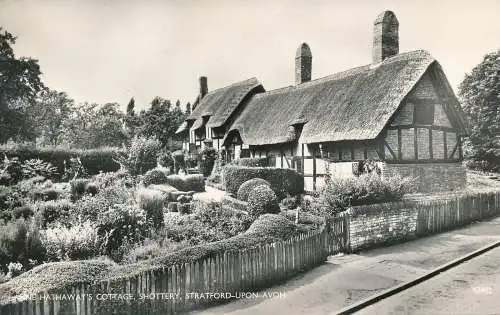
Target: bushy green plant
(340, 193)
(193, 182)
(290, 202)
(155, 176)
(78, 188)
(53, 211)
(272, 225)
(151, 248)
(122, 224)
(249, 185)
(24, 212)
(209, 222)
(104, 180)
(46, 194)
(207, 160)
(20, 242)
(79, 241)
(11, 171)
(261, 200)
(141, 156)
(283, 181)
(152, 201)
(91, 189)
(37, 167)
(10, 198)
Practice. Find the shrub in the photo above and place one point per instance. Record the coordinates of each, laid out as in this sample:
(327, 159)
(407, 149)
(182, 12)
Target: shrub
(180, 161)
(22, 212)
(340, 193)
(290, 202)
(91, 189)
(88, 207)
(236, 204)
(250, 184)
(261, 200)
(166, 159)
(104, 180)
(94, 161)
(11, 171)
(80, 241)
(20, 242)
(150, 249)
(122, 224)
(78, 188)
(46, 194)
(152, 202)
(492, 165)
(193, 182)
(142, 155)
(37, 167)
(283, 181)
(207, 160)
(272, 225)
(154, 176)
(10, 198)
(52, 211)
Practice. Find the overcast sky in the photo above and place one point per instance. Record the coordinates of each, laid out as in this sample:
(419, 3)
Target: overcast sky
(105, 50)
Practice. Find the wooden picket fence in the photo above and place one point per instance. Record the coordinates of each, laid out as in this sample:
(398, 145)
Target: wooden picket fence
(241, 273)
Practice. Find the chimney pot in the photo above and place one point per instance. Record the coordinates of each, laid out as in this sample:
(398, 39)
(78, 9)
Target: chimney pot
(203, 86)
(385, 36)
(303, 64)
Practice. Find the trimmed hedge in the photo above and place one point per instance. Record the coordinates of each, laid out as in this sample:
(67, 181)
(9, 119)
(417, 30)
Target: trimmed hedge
(193, 182)
(250, 184)
(228, 201)
(283, 181)
(262, 200)
(94, 161)
(154, 176)
(251, 162)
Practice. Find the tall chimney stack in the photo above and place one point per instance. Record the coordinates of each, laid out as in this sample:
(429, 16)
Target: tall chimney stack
(303, 64)
(385, 36)
(203, 87)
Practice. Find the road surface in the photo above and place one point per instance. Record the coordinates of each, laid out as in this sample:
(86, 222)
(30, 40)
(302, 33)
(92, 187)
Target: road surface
(470, 288)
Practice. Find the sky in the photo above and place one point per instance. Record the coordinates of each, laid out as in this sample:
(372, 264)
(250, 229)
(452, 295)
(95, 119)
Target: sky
(111, 50)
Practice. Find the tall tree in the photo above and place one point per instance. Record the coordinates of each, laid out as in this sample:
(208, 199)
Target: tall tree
(19, 84)
(480, 96)
(52, 110)
(161, 120)
(131, 107)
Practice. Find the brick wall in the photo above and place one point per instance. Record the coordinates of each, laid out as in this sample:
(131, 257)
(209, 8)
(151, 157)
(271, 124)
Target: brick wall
(373, 225)
(430, 176)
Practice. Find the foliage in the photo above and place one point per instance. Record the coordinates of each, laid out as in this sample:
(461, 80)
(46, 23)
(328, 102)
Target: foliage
(54, 109)
(20, 84)
(165, 159)
(261, 200)
(248, 186)
(122, 224)
(141, 156)
(78, 188)
(22, 212)
(10, 198)
(151, 248)
(236, 204)
(480, 100)
(367, 167)
(207, 160)
(49, 212)
(209, 222)
(80, 241)
(93, 161)
(20, 242)
(155, 177)
(251, 162)
(340, 193)
(92, 126)
(269, 224)
(291, 202)
(104, 180)
(283, 181)
(161, 121)
(193, 182)
(152, 201)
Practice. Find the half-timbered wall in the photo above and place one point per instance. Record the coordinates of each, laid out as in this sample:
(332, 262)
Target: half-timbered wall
(421, 130)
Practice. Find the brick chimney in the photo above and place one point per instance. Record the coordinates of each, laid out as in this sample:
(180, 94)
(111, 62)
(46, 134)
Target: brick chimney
(385, 36)
(303, 64)
(203, 87)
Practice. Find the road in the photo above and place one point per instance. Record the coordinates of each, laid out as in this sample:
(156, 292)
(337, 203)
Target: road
(345, 280)
(470, 288)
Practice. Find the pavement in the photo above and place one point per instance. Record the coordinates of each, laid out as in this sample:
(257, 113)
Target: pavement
(346, 279)
(470, 288)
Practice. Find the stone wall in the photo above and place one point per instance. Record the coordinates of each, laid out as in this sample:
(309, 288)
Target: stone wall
(430, 177)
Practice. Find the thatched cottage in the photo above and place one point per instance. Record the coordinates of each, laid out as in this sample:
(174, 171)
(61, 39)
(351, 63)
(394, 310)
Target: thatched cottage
(399, 110)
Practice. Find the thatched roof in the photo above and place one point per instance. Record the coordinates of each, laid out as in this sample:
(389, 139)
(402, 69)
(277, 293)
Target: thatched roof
(352, 105)
(221, 103)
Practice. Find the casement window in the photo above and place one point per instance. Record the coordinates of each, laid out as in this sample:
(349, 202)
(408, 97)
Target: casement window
(424, 114)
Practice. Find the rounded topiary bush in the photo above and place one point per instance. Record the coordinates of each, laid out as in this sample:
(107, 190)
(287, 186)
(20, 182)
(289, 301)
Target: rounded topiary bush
(248, 186)
(154, 176)
(261, 200)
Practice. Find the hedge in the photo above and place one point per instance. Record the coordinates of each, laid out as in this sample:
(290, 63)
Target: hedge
(251, 162)
(228, 201)
(283, 181)
(194, 182)
(94, 161)
(247, 187)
